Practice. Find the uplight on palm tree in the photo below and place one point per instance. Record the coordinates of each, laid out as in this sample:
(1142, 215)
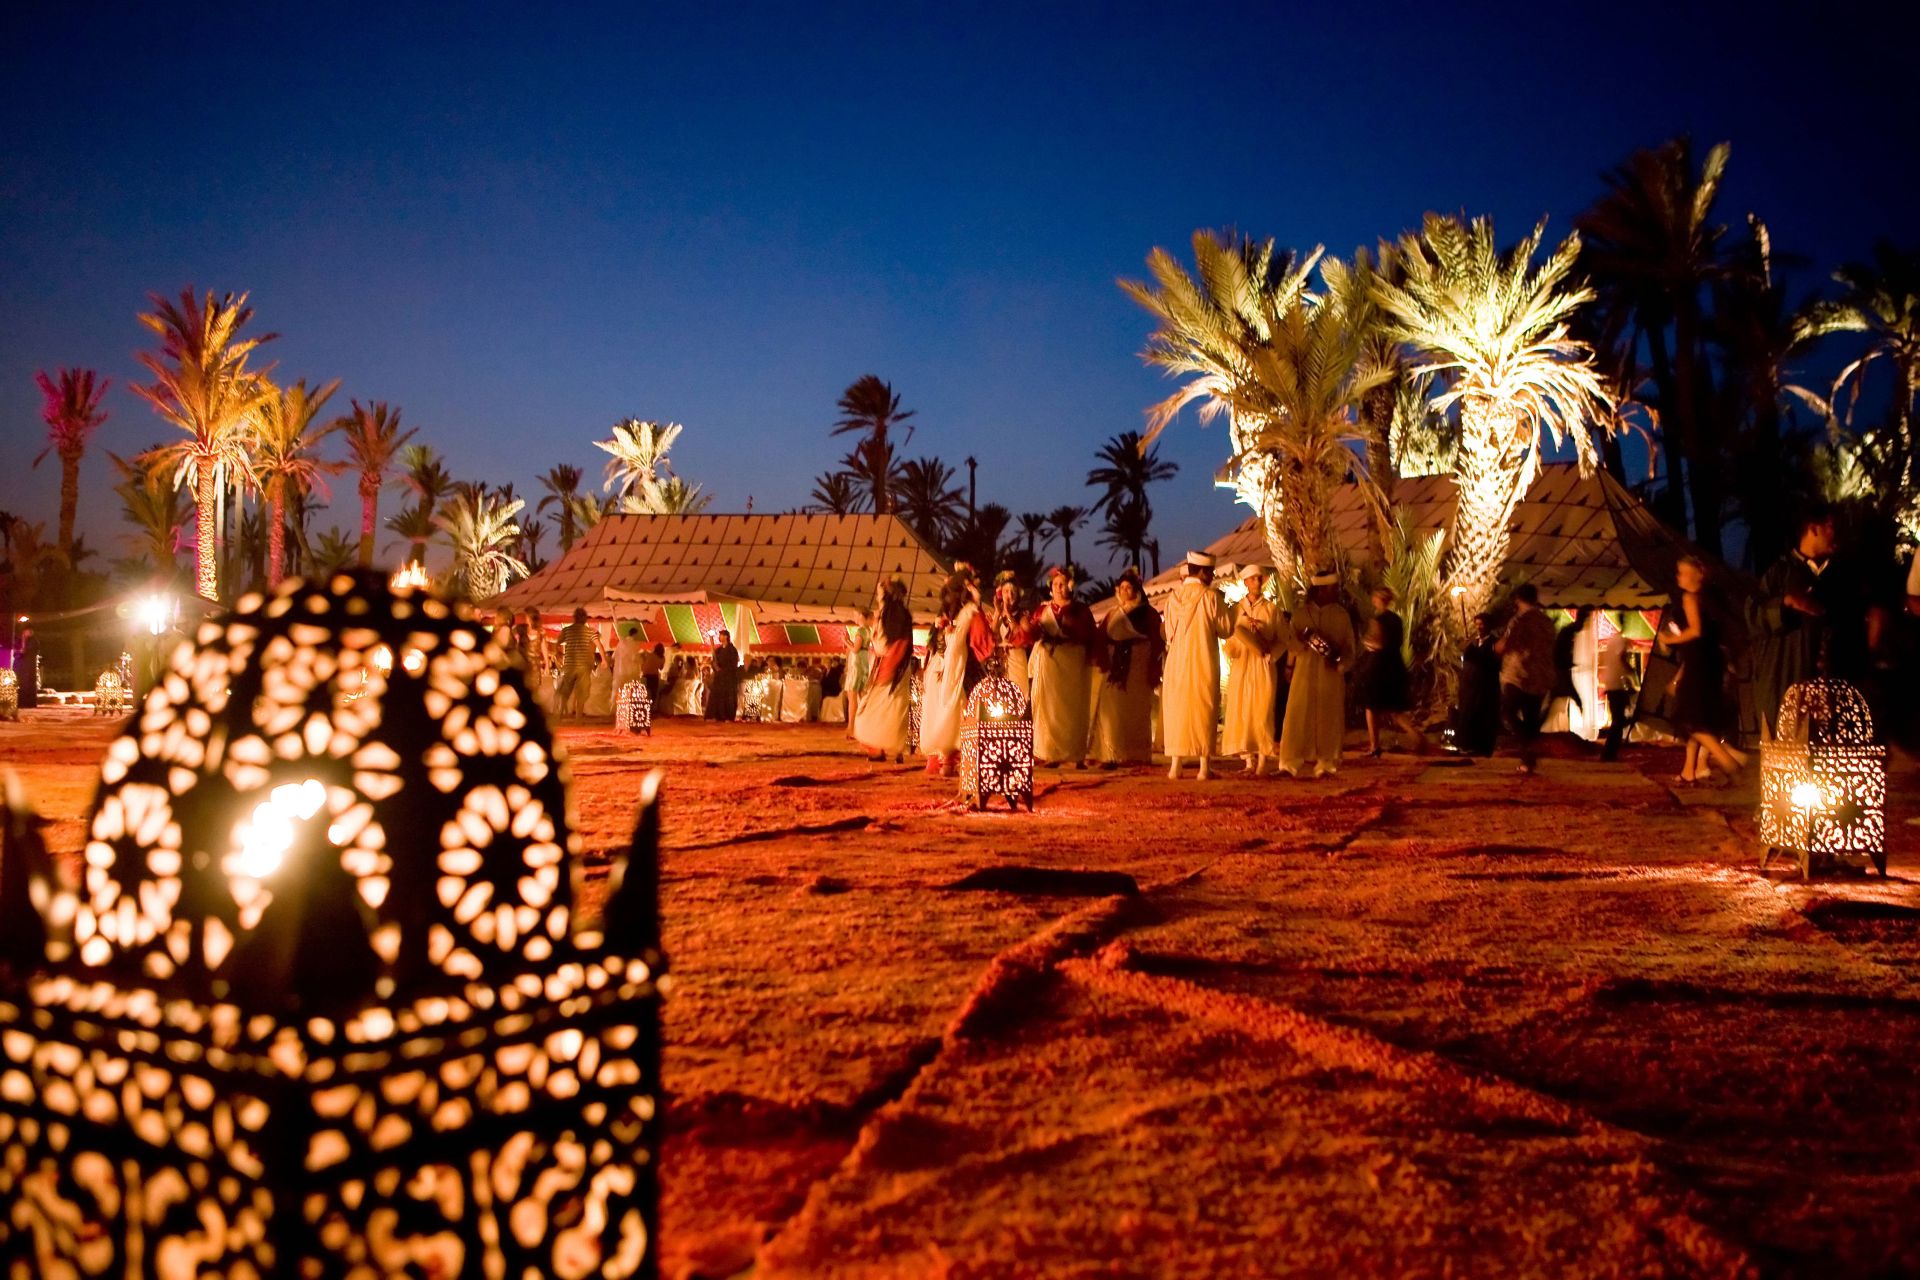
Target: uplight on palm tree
(285, 438)
(484, 534)
(1497, 327)
(71, 409)
(870, 407)
(203, 386)
(374, 439)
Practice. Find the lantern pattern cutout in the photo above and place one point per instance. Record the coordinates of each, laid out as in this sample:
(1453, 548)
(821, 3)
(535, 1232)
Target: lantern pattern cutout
(633, 709)
(759, 698)
(996, 745)
(111, 695)
(320, 1005)
(9, 694)
(1823, 780)
(913, 713)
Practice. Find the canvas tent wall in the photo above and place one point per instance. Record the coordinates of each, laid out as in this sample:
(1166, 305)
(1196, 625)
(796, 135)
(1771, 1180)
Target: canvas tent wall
(780, 583)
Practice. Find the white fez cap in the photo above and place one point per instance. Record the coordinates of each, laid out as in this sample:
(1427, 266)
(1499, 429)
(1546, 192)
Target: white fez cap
(1199, 559)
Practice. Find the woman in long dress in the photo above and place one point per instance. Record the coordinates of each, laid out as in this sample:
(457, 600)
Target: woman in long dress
(881, 726)
(1012, 630)
(859, 661)
(1382, 683)
(1251, 678)
(1197, 620)
(1063, 635)
(600, 689)
(1698, 704)
(1129, 663)
(963, 642)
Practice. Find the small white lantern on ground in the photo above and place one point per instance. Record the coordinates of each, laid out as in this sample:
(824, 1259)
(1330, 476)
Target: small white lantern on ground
(1823, 780)
(996, 745)
(633, 709)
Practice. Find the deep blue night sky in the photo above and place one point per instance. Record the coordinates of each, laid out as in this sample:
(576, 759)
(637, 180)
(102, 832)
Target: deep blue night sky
(522, 222)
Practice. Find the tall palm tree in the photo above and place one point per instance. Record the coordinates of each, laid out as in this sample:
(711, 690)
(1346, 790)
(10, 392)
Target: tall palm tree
(836, 493)
(639, 448)
(1282, 363)
(870, 408)
(284, 441)
(929, 500)
(1880, 299)
(1651, 249)
(1130, 466)
(334, 551)
(874, 469)
(71, 409)
(587, 510)
(1126, 528)
(414, 522)
(1065, 521)
(483, 533)
(157, 509)
(1034, 525)
(529, 546)
(202, 385)
(1498, 327)
(374, 440)
(563, 486)
(30, 559)
(424, 474)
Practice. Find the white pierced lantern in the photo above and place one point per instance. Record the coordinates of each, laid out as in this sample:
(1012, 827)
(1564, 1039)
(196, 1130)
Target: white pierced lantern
(633, 709)
(1823, 780)
(996, 745)
(111, 697)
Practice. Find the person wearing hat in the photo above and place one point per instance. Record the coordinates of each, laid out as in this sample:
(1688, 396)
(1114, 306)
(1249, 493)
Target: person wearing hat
(1012, 629)
(1251, 675)
(1322, 642)
(1063, 634)
(1196, 619)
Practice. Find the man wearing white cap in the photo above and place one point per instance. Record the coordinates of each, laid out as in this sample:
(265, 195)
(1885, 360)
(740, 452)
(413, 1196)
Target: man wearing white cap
(1251, 679)
(1196, 619)
(1321, 638)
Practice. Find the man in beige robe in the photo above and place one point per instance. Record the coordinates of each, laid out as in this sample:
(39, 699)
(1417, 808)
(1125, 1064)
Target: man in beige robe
(1251, 675)
(1321, 639)
(1196, 620)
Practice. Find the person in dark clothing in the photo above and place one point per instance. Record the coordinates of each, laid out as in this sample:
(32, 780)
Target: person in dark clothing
(1382, 681)
(1698, 703)
(1476, 715)
(1565, 642)
(1526, 671)
(723, 687)
(1809, 615)
(27, 667)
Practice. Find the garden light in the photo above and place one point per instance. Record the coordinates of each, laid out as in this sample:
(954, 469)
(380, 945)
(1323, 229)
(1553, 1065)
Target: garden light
(1823, 780)
(996, 745)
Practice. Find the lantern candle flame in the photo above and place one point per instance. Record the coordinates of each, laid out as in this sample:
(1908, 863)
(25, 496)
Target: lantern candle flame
(264, 839)
(1808, 796)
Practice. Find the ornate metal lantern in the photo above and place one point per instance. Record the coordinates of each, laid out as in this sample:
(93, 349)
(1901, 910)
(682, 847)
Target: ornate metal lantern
(996, 745)
(760, 698)
(320, 1006)
(1823, 780)
(633, 709)
(9, 694)
(111, 695)
(913, 713)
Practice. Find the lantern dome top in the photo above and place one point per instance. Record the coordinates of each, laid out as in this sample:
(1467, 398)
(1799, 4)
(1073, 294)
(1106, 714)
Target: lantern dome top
(1825, 713)
(338, 792)
(996, 698)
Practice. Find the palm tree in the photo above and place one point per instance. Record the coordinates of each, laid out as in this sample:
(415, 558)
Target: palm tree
(414, 522)
(837, 493)
(930, 501)
(1498, 327)
(374, 438)
(674, 496)
(587, 511)
(563, 486)
(1034, 525)
(1130, 467)
(1065, 522)
(71, 409)
(1283, 364)
(155, 507)
(1126, 528)
(203, 386)
(874, 468)
(530, 547)
(30, 557)
(335, 550)
(1651, 248)
(639, 448)
(482, 531)
(1880, 299)
(870, 407)
(424, 473)
(979, 539)
(285, 438)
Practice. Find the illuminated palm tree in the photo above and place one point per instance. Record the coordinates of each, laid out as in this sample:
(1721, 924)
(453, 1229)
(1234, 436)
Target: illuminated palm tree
(1497, 326)
(1880, 299)
(871, 408)
(202, 385)
(373, 438)
(71, 409)
(639, 448)
(285, 438)
(587, 511)
(673, 496)
(563, 486)
(929, 500)
(837, 493)
(483, 532)
(157, 508)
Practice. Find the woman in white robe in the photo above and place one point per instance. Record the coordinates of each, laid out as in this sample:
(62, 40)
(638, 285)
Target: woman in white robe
(1320, 636)
(1063, 637)
(600, 689)
(881, 725)
(1251, 676)
(1129, 670)
(964, 645)
(1196, 620)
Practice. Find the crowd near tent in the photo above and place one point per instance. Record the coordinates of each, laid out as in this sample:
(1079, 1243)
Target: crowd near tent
(779, 584)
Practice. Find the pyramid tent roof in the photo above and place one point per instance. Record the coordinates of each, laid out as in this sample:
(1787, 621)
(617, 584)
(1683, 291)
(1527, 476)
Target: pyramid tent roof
(1580, 539)
(816, 568)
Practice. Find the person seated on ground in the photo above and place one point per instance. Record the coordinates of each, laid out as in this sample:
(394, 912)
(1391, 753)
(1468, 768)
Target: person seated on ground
(1699, 705)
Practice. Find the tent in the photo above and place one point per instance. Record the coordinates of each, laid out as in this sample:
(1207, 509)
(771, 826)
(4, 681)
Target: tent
(787, 584)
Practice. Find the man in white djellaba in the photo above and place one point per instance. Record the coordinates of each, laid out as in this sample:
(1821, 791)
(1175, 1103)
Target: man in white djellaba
(1196, 620)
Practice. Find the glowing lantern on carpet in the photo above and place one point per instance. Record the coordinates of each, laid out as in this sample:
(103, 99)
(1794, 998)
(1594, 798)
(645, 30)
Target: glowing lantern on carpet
(1823, 780)
(996, 745)
(320, 1006)
(9, 694)
(633, 709)
(111, 696)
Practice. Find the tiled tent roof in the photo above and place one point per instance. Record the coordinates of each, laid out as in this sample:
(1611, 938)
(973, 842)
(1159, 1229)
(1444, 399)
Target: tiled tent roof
(820, 565)
(1579, 539)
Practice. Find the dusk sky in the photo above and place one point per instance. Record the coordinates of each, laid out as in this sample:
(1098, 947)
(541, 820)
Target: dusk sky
(521, 223)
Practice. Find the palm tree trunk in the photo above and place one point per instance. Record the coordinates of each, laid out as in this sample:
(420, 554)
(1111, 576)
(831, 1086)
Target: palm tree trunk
(276, 537)
(205, 575)
(369, 513)
(1376, 410)
(1490, 477)
(1903, 389)
(69, 498)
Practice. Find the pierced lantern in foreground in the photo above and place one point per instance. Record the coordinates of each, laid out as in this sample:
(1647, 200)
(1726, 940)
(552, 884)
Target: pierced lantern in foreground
(1823, 780)
(9, 694)
(633, 709)
(320, 1006)
(111, 695)
(996, 745)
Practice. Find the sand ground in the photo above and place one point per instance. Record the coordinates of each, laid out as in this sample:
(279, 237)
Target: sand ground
(1410, 1020)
